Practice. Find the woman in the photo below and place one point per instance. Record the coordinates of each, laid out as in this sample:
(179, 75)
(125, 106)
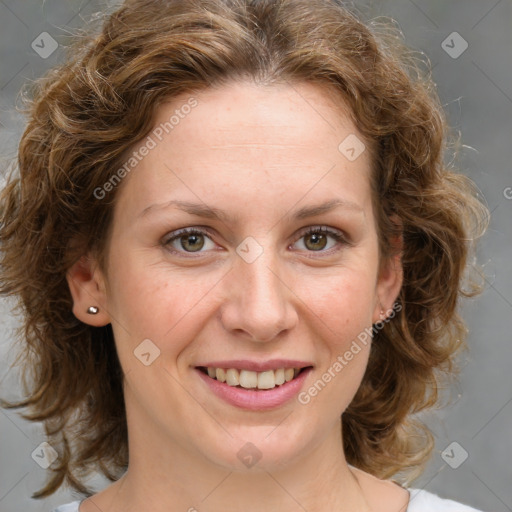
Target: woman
(238, 253)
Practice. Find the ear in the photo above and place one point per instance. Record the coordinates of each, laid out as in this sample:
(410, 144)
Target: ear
(390, 280)
(87, 286)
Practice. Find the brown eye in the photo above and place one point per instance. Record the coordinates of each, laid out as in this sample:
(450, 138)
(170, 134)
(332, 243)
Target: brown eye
(192, 242)
(188, 240)
(318, 241)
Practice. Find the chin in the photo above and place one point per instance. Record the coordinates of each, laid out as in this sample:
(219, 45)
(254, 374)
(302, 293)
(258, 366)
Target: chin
(258, 449)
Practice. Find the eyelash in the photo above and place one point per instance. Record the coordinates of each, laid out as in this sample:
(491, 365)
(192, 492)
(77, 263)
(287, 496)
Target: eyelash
(336, 235)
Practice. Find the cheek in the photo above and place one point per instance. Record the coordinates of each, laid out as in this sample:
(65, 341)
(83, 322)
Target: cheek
(148, 301)
(344, 304)
(345, 310)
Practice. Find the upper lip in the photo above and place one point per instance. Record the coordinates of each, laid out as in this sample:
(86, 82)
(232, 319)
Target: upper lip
(256, 366)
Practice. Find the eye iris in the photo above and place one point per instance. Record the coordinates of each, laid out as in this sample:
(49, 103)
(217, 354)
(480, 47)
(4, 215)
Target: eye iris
(194, 237)
(193, 242)
(316, 238)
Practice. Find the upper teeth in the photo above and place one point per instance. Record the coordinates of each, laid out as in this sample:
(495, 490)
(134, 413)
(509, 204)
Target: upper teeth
(250, 380)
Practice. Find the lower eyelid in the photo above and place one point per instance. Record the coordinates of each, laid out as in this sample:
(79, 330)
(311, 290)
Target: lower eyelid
(337, 236)
(166, 242)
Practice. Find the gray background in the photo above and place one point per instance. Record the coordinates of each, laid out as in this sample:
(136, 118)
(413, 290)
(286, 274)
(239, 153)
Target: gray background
(476, 89)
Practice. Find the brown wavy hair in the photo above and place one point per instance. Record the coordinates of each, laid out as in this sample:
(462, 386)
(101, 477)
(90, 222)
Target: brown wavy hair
(85, 114)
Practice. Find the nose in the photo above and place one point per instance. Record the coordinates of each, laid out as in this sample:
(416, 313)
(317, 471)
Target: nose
(259, 300)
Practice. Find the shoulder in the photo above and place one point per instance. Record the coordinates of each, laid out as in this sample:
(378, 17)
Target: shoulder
(420, 501)
(424, 501)
(69, 507)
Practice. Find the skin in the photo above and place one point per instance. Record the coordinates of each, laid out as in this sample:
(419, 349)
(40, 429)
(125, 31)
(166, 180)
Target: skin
(259, 153)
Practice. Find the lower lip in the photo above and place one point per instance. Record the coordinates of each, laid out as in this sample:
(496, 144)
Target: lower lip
(256, 400)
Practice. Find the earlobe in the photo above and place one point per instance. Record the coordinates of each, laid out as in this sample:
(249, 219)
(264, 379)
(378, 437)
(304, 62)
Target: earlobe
(86, 284)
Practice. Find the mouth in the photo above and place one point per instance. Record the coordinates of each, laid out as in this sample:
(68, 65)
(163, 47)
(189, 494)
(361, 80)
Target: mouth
(253, 380)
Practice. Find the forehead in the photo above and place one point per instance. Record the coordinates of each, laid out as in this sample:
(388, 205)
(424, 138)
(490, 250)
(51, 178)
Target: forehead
(293, 138)
(294, 114)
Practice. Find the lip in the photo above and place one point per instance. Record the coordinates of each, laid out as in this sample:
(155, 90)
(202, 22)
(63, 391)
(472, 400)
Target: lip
(256, 366)
(260, 400)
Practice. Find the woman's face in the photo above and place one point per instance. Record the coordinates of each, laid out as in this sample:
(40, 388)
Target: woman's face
(251, 288)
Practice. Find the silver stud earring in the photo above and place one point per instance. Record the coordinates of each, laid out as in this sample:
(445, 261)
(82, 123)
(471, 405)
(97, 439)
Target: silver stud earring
(92, 310)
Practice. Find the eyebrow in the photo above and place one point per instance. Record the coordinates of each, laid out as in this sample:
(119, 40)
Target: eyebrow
(202, 210)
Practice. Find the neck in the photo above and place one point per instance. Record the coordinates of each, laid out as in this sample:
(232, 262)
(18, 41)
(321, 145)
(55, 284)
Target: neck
(165, 476)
